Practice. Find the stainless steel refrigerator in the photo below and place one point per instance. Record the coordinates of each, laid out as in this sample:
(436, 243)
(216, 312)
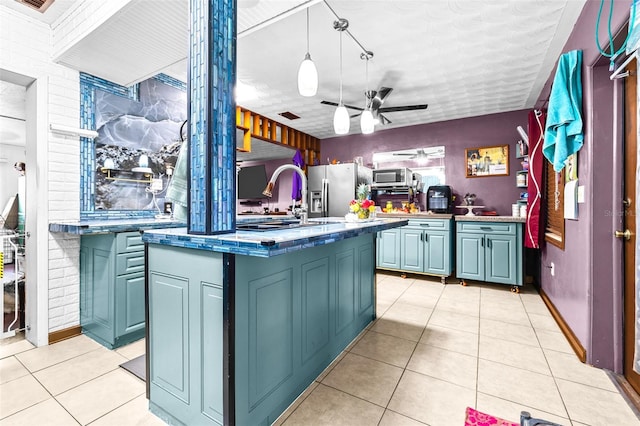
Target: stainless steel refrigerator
(332, 187)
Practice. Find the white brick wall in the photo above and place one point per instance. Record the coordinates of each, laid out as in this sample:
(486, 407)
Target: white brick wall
(26, 47)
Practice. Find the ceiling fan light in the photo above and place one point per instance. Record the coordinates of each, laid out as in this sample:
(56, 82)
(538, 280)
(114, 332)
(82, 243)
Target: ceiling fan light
(341, 120)
(366, 122)
(307, 77)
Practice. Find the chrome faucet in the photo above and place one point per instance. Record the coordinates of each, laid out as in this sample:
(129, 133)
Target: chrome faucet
(303, 205)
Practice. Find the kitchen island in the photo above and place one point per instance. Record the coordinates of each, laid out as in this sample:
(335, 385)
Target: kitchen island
(240, 323)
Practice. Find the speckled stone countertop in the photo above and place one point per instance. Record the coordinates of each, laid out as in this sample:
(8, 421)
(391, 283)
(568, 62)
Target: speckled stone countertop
(106, 226)
(85, 227)
(465, 218)
(273, 242)
(421, 215)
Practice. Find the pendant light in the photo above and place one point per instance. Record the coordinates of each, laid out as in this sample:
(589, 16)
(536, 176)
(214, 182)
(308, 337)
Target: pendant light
(341, 116)
(307, 73)
(366, 118)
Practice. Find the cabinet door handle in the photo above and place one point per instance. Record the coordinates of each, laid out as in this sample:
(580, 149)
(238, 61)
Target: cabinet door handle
(426, 237)
(482, 242)
(488, 243)
(421, 237)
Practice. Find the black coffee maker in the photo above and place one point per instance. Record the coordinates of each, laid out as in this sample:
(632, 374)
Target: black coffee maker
(440, 199)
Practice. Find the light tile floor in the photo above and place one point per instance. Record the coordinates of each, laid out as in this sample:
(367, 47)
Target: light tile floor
(433, 351)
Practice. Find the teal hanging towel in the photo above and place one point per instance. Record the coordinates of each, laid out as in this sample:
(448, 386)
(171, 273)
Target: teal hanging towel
(563, 133)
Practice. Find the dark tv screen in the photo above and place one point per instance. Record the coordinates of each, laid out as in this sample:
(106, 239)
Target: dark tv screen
(252, 180)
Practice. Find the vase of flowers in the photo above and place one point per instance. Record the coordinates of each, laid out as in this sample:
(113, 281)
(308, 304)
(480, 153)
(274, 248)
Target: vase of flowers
(362, 206)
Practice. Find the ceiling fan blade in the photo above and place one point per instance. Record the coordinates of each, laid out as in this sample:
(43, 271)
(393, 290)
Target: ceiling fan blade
(383, 93)
(403, 108)
(383, 120)
(348, 106)
(353, 107)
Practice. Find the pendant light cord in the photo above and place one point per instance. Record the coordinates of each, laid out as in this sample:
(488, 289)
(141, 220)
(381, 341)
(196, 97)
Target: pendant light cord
(340, 67)
(307, 30)
(366, 79)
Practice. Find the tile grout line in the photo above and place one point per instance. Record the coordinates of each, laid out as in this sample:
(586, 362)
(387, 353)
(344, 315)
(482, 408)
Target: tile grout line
(46, 390)
(116, 408)
(555, 382)
(386, 407)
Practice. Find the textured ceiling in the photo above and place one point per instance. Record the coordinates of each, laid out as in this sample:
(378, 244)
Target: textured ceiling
(463, 58)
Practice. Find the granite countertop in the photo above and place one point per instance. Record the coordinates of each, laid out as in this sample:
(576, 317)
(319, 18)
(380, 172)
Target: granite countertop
(421, 215)
(274, 242)
(465, 218)
(86, 227)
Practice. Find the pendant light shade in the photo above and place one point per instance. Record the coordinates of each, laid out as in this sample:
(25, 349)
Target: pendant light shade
(307, 77)
(307, 73)
(366, 122)
(341, 120)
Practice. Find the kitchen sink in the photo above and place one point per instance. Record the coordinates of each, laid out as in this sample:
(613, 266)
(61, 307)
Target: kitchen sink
(273, 225)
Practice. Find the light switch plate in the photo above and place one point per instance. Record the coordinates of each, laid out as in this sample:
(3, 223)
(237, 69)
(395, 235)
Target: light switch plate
(580, 197)
(156, 185)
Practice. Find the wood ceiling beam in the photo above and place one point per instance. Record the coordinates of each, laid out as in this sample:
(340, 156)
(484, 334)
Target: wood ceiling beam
(257, 126)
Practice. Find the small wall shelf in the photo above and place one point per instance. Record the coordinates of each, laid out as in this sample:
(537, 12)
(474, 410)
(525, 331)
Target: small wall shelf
(522, 174)
(132, 176)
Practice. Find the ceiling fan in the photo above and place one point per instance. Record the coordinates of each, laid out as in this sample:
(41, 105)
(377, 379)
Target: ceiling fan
(422, 154)
(375, 99)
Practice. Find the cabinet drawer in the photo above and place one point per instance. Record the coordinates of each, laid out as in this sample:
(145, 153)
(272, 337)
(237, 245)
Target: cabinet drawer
(487, 227)
(129, 241)
(438, 224)
(128, 263)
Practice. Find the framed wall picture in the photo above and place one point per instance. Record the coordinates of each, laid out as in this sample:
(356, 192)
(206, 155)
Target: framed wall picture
(487, 161)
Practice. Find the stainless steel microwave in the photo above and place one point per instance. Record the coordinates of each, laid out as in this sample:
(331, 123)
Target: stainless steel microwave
(392, 178)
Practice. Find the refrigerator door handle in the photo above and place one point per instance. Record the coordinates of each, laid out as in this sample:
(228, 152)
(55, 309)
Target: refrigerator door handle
(325, 197)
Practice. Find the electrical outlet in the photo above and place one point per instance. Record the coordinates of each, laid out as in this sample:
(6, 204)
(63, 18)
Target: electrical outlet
(156, 185)
(553, 269)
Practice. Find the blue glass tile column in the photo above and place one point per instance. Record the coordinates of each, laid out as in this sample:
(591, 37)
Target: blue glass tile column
(212, 155)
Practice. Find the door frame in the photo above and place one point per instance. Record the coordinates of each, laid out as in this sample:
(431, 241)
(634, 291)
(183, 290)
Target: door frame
(630, 221)
(36, 219)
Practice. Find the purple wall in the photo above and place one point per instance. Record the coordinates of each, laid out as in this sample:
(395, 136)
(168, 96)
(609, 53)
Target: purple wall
(495, 193)
(585, 289)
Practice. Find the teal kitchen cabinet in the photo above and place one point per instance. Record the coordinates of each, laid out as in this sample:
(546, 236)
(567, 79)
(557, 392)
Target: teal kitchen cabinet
(424, 246)
(292, 315)
(112, 304)
(489, 251)
(388, 249)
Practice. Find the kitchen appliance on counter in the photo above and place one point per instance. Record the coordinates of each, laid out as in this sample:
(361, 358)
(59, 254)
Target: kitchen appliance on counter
(398, 177)
(440, 199)
(332, 187)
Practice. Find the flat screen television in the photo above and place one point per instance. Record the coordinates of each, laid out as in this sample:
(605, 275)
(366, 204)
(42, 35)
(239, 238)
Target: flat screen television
(252, 180)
